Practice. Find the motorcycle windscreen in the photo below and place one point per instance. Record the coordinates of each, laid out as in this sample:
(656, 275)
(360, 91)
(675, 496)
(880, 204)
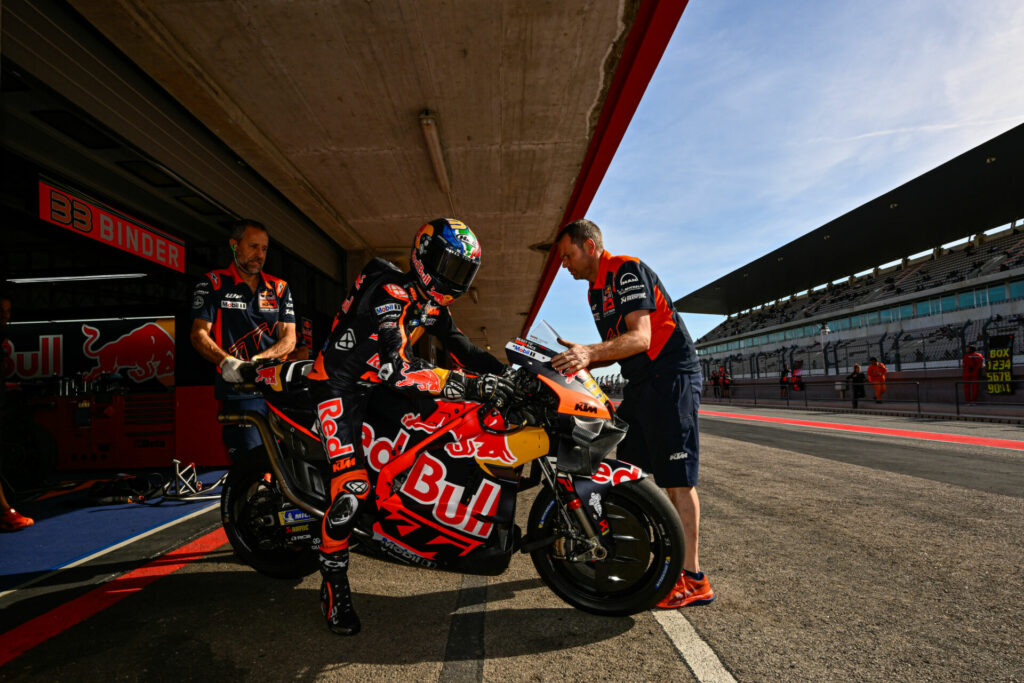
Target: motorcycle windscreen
(578, 394)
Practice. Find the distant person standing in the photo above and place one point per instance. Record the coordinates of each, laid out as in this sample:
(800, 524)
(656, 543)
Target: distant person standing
(716, 384)
(726, 379)
(856, 380)
(240, 314)
(644, 333)
(797, 379)
(973, 362)
(876, 376)
(784, 381)
(10, 520)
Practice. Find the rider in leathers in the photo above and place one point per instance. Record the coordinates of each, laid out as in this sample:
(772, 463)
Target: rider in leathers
(371, 342)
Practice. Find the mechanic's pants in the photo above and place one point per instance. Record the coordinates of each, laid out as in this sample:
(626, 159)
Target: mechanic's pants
(340, 421)
(879, 390)
(971, 388)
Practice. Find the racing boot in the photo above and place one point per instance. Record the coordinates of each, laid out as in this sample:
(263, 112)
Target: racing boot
(335, 595)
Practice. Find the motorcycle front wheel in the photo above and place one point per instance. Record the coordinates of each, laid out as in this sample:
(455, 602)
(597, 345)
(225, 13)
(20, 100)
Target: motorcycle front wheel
(645, 554)
(249, 507)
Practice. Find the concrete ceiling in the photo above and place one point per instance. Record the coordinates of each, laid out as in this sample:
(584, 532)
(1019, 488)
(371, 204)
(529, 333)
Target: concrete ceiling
(323, 100)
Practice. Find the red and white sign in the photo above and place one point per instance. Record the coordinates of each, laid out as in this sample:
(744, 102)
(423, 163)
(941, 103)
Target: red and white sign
(47, 361)
(88, 217)
(428, 485)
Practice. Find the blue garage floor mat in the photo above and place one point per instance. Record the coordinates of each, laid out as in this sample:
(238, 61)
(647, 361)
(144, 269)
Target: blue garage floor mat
(69, 527)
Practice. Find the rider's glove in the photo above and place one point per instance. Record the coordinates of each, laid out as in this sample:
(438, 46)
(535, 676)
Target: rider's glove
(231, 370)
(490, 389)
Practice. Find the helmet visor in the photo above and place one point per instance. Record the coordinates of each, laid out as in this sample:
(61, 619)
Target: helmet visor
(456, 270)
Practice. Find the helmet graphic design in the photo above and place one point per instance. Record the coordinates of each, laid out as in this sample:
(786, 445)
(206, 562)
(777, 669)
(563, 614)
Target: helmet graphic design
(445, 257)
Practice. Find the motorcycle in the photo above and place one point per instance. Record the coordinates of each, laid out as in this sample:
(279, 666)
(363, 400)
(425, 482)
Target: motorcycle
(445, 480)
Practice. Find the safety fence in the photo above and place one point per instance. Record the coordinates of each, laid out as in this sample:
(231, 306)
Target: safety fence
(816, 391)
(944, 395)
(977, 392)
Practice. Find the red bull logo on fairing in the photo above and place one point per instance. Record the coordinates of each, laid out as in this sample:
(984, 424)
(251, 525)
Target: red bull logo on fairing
(145, 353)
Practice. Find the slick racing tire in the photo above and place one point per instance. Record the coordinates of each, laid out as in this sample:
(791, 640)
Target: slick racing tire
(645, 556)
(249, 507)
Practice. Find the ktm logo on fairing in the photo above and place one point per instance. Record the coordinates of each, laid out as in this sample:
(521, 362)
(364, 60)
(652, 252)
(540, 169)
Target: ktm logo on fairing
(586, 408)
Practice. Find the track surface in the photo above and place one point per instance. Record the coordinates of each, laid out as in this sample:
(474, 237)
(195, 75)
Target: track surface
(835, 556)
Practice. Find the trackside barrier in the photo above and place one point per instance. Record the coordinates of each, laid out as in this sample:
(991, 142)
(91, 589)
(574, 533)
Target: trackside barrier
(815, 390)
(973, 391)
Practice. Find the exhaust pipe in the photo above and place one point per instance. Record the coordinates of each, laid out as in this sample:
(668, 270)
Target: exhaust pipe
(270, 444)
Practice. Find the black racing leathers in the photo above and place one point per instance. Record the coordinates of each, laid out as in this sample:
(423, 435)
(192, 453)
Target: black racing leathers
(373, 334)
(371, 342)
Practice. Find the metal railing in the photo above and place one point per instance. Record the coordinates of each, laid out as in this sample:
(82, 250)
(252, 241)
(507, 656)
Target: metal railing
(816, 390)
(973, 390)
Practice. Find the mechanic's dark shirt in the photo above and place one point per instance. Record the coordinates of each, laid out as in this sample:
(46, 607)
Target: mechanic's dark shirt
(244, 322)
(373, 334)
(625, 284)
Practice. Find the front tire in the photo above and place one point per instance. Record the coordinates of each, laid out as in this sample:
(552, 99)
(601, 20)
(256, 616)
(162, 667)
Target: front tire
(249, 507)
(644, 559)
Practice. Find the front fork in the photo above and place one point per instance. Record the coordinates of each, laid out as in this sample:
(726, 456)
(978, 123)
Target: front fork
(577, 548)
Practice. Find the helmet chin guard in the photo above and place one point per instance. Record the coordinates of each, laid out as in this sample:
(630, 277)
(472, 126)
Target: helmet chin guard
(445, 258)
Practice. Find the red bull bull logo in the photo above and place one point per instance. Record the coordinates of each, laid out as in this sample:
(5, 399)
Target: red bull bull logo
(424, 380)
(147, 352)
(444, 413)
(484, 447)
(269, 376)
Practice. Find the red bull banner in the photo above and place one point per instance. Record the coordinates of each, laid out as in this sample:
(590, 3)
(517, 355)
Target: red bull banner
(74, 211)
(136, 352)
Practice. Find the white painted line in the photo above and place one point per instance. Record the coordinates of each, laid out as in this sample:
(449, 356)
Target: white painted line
(697, 654)
(127, 541)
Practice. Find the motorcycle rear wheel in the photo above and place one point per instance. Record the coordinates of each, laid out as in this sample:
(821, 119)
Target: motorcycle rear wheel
(644, 560)
(246, 502)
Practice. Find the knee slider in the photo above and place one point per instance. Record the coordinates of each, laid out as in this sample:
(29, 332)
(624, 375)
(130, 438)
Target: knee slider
(339, 519)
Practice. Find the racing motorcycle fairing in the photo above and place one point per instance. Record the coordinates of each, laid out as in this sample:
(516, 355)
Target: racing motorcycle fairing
(591, 491)
(446, 474)
(445, 486)
(578, 393)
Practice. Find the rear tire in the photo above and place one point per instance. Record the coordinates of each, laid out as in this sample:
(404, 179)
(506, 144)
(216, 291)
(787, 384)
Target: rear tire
(642, 565)
(247, 502)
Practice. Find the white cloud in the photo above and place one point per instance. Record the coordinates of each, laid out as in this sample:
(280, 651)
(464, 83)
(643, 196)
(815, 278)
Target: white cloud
(766, 120)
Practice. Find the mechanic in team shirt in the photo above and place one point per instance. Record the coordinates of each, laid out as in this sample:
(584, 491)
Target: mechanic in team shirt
(241, 314)
(641, 330)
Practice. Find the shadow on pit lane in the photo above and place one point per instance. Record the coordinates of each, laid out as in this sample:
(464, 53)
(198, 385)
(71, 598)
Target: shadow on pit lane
(214, 624)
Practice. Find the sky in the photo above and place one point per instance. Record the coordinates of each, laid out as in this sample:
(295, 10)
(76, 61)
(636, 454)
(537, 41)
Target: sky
(766, 120)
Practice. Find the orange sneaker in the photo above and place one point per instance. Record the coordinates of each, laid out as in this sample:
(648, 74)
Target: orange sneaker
(10, 520)
(688, 592)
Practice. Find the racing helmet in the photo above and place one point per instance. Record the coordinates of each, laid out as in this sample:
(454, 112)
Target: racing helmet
(445, 258)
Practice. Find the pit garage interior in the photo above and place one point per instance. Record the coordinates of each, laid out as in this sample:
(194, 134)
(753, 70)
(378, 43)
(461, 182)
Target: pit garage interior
(341, 126)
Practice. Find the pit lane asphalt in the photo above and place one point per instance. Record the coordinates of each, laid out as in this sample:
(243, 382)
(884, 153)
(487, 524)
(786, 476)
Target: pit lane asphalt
(834, 557)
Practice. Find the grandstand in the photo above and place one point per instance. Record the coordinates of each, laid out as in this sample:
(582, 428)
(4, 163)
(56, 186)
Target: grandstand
(918, 313)
(938, 265)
